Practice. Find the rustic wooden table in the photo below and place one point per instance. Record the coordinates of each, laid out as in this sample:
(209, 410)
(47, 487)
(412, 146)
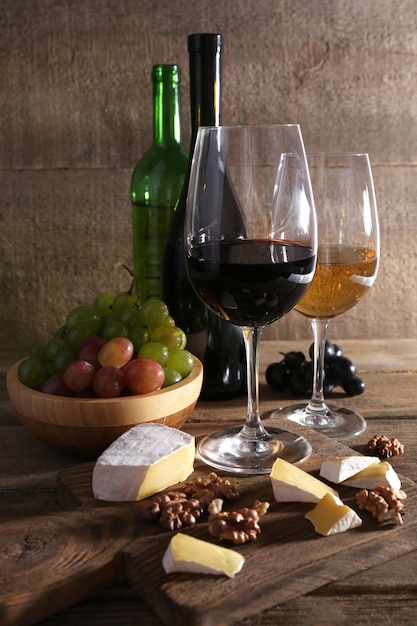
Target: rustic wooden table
(386, 594)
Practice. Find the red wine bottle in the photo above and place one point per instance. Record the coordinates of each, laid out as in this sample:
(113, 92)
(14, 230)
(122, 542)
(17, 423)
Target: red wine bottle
(216, 342)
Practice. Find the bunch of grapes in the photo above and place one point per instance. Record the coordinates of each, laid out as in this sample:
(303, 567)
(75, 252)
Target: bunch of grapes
(110, 348)
(295, 373)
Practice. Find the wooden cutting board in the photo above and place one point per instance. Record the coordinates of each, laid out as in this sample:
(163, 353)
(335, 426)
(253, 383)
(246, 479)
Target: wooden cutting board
(50, 563)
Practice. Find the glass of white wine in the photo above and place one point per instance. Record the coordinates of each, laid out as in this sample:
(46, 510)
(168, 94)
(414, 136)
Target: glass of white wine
(347, 265)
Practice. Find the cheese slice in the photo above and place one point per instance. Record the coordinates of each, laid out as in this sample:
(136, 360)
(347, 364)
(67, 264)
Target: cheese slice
(143, 461)
(331, 516)
(379, 475)
(188, 554)
(292, 484)
(343, 467)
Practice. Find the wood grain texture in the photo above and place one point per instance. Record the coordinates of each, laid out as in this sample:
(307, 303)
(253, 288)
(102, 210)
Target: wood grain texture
(97, 544)
(75, 115)
(28, 493)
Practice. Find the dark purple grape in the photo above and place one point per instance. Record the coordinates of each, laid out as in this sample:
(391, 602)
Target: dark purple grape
(337, 350)
(297, 383)
(341, 369)
(328, 384)
(354, 387)
(276, 375)
(329, 351)
(307, 369)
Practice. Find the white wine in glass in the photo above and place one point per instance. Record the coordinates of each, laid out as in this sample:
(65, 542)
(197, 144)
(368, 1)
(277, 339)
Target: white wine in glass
(347, 265)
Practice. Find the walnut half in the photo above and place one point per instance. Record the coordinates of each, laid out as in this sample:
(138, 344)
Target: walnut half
(174, 510)
(385, 503)
(383, 447)
(238, 526)
(208, 488)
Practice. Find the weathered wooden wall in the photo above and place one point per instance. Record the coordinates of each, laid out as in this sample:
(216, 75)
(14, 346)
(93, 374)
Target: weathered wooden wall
(75, 114)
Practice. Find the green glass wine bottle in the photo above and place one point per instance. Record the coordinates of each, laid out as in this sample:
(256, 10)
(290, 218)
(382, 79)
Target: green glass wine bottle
(157, 181)
(216, 342)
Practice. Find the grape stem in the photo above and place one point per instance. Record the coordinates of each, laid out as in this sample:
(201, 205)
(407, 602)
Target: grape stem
(134, 285)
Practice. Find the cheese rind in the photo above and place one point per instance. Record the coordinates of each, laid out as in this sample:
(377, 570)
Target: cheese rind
(341, 468)
(188, 554)
(292, 484)
(143, 461)
(379, 475)
(331, 516)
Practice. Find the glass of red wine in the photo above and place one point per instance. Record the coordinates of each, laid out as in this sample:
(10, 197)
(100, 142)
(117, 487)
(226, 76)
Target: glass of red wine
(251, 244)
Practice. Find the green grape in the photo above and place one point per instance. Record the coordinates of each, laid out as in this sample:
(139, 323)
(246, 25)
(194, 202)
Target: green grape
(170, 336)
(31, 372)
(39, 353)
(61, 331)
(169, 321)
(138, 335)
(180, 360)
(153, 313)
(55, 346)
(83, 315)
(110, 317)
(123, 300)
(77, 334)
(130, 317)
(171, 377)
(155, 351)
(114, 328)
(61, 362)
(103, 302)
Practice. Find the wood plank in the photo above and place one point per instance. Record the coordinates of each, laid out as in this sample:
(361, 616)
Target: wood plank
(288, 559)
(76, 116)
(310, 610)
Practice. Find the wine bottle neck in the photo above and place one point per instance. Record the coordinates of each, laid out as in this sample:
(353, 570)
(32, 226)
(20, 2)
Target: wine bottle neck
(167, 129)
(205, 54)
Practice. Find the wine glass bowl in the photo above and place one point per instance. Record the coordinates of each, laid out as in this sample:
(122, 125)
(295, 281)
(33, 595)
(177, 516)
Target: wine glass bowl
(347, 266)
(250, 261)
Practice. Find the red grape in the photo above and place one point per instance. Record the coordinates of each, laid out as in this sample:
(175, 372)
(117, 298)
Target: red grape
(117, 352)
(79, 375)
(108, 382)
(89, 350)
(56, 386)
(143, 375)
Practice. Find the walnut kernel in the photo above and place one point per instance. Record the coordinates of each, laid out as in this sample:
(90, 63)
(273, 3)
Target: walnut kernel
(383, 447)
(174, 510)
(238, 526)
(384, 503)
(206, 489)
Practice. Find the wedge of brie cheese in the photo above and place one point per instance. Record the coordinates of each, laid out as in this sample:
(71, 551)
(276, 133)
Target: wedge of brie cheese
(379, 475)
(341, 468)
(143, 461)
(292, 484)
(188, 554)
(331, 516)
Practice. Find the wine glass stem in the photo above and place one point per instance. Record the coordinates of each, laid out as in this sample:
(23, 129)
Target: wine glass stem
(319, 327)
(253, 428)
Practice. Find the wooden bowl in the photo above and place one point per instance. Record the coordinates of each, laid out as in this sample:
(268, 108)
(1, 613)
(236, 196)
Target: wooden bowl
(86, 426)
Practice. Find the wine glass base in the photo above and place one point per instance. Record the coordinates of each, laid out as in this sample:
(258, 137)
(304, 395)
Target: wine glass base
(230, 451)
(335, 422)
